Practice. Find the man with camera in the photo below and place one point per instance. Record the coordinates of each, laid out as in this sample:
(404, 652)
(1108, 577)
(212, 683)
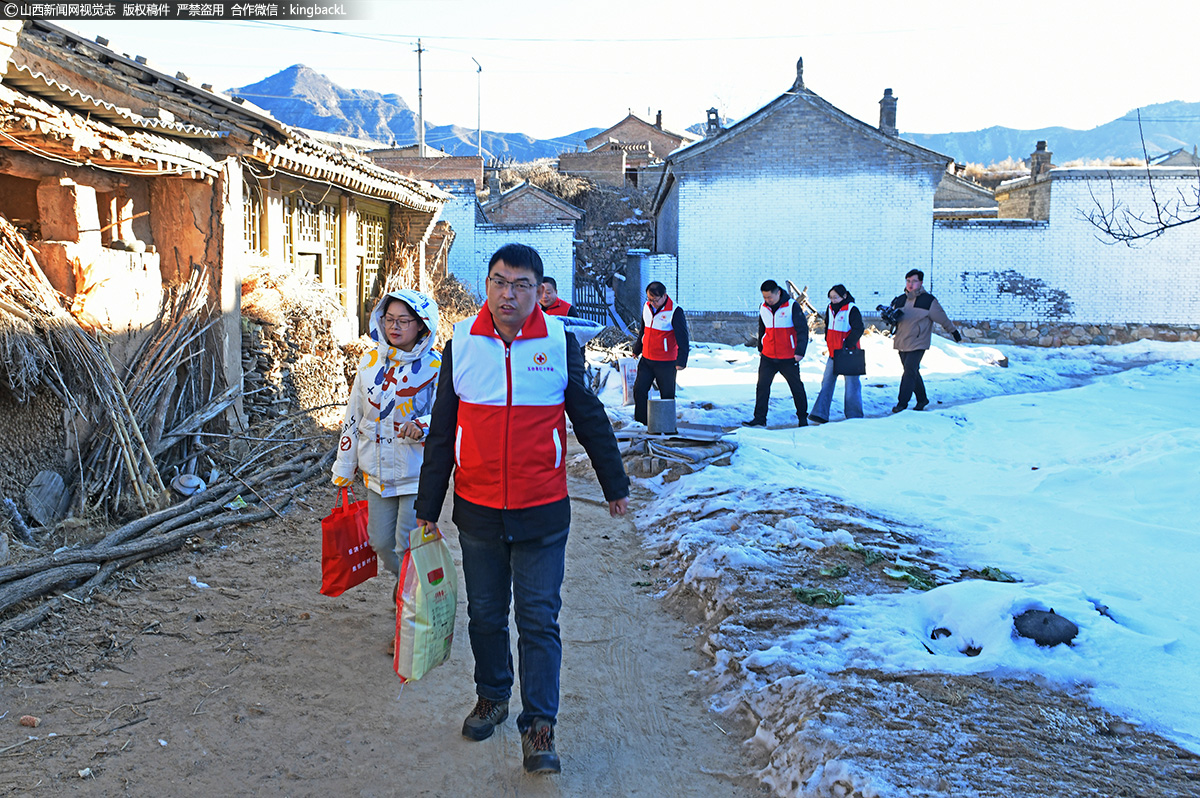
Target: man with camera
(913, 314)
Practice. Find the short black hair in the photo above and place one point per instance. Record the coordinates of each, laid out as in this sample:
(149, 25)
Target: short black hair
(920, 275)
(769, 285)
(656, 289)
(519, 256)
(551, 280)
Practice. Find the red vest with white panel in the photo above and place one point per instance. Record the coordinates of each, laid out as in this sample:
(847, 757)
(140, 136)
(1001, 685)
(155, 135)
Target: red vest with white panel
(658, 336)
(559, 308)
(779, 338)
(838, 328)
(510, 445)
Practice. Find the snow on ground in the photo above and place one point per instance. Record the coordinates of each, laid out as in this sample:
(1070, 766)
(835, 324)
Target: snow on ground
(1074, 470)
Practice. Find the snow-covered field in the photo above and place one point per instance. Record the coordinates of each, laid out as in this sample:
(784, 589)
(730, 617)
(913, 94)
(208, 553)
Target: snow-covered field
(1074, 470)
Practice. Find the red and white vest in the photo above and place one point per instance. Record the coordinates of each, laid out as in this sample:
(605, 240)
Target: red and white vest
(559, 308)
(779, 337)
(658, 336)
(510, 445)
(839, 328)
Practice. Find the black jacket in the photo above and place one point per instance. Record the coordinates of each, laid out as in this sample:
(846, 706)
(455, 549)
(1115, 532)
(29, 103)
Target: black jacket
(591, 427)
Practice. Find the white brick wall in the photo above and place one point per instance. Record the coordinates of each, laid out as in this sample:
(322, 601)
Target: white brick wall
(1063, 270)
(462, 262)
(554, 242)
(864, 230)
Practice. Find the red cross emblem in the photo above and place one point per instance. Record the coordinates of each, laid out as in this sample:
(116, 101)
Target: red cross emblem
(540, 358)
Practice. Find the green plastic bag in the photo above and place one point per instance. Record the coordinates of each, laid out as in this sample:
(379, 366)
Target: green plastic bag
(425, 605)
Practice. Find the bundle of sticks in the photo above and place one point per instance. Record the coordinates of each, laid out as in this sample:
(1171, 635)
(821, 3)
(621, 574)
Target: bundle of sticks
(83, 569)
(166, 395)
(40, 342)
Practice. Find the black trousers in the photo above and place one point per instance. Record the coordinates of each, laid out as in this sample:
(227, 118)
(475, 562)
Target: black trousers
(910, 381)
(649, 372)
(768, 367)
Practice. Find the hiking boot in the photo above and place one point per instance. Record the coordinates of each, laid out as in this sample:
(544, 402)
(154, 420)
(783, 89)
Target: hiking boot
(537, 746)
(817, 419)
(898, 408)
(754, 422)
(921, 405)
(484, 719)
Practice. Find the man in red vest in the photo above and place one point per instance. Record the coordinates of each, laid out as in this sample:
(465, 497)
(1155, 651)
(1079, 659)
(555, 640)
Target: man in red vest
(782, 341)
(663, 348)
(550, 302)
(509, 378)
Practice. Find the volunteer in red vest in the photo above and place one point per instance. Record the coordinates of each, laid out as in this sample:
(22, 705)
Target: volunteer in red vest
(782, 341)
(843, 329)
(510, 375)
(662, 345)
(550, 302)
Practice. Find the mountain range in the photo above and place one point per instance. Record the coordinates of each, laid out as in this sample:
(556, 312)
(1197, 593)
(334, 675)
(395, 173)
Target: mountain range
(301, 97)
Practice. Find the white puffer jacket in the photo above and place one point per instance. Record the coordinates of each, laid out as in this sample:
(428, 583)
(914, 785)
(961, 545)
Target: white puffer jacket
(391, 387)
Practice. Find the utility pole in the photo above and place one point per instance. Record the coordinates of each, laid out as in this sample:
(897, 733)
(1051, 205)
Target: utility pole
(479, 105)
(420, 106)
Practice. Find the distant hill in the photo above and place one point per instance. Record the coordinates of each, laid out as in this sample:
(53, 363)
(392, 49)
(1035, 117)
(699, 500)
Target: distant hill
(1167, 126)
(302, 97)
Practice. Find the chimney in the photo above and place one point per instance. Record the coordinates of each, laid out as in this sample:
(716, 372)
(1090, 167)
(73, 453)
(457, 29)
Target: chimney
(714, 123)
(887, 114)
(658, 120)
(799, 84)
(493, 181)
(1039, 160)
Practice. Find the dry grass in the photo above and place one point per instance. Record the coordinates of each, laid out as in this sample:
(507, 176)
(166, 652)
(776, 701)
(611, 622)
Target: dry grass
(543, 175)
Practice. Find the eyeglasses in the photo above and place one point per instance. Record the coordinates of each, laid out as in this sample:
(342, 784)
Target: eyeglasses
(523, 286)
(397, 321)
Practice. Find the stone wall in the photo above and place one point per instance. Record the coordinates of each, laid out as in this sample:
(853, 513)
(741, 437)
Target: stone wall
(1048, 334)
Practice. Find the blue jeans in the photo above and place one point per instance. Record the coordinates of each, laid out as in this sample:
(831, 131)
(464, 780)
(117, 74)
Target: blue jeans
(529, 574)
(389, 520)
(851, 405)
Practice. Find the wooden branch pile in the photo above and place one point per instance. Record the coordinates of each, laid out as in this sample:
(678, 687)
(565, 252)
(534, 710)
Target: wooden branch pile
(29, 586)
(40, 342)
(165, 398)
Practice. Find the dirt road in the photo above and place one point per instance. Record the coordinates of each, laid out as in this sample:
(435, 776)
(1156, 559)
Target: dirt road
(257, 685)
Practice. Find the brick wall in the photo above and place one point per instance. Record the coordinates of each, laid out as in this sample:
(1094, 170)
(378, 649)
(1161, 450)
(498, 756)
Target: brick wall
(460, 212)
(554, 242)
(527, 209)
(605, 167)
(1061, 280)
(800, 195)
(454, 167)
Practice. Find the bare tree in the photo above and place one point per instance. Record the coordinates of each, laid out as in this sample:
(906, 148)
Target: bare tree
(1120, 224)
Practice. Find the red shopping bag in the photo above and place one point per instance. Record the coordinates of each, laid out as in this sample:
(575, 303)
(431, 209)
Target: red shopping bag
(347, 559)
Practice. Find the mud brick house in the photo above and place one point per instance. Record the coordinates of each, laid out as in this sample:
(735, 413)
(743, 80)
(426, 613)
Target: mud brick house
(622, 154)
(797, 190)
(145, 174)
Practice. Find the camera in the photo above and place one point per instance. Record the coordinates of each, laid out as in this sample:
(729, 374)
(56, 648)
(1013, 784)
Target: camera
(890, 314)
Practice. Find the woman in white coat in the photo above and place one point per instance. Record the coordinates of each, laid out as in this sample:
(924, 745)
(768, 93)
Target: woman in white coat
(386, 417)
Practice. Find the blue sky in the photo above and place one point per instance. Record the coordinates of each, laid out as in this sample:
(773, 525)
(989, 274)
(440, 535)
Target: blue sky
(550, 68)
